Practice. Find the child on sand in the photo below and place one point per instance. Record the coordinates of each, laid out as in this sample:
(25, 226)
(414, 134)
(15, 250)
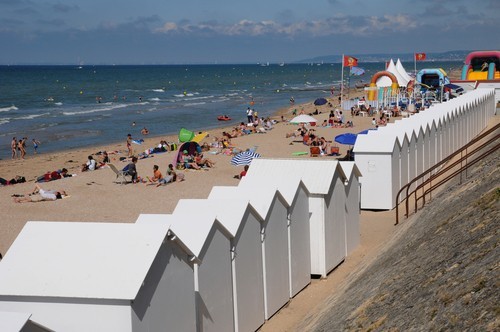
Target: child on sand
(158, 177)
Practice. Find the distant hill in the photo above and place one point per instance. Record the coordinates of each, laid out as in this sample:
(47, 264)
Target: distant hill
(405, 57)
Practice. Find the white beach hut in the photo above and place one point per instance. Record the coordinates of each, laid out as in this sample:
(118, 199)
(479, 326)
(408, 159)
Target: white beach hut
(98, 277)
(352, 204)
(272, 208)
(296, 195)
(397, 129)
(197, 229)
(243, 223)
(324, 180)
(377, 157)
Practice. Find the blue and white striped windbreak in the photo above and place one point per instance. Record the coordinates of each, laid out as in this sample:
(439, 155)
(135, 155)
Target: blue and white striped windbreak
(244, 158)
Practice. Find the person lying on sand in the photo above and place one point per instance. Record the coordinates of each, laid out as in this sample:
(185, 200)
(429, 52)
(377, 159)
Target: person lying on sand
(39, 195)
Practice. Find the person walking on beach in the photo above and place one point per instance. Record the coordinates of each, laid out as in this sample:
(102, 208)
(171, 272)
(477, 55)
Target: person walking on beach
(21, 147)
(129, 145)
(13, 147)
(35, 145)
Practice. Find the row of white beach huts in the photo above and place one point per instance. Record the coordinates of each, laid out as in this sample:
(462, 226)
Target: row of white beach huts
(225, 263)
(392, 156)
(231, 261)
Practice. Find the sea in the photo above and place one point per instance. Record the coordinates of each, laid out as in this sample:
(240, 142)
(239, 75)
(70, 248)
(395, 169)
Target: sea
(74, 106)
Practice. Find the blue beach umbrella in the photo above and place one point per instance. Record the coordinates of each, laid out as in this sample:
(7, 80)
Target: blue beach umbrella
(320, 101)
(244, 158)
(347, 138)
(364, 132)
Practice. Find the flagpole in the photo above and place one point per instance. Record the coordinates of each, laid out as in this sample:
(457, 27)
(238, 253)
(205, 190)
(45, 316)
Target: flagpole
(415, 63)
(342, 83)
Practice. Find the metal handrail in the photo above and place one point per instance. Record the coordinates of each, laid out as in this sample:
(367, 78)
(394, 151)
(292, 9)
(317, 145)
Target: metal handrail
(443, 171)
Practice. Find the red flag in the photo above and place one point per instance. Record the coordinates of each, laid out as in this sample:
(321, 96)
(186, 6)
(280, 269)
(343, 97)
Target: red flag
(350, 61)
(420, 56)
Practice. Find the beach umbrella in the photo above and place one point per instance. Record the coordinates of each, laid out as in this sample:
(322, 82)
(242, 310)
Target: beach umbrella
(320, 101)
(244, 158)
(303, 118)
(347, 138)
(364, 132)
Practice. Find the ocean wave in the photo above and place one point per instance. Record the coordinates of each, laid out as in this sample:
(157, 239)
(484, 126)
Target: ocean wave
(158, 90)
(195, 104)
(4, 121)
(220, 100)
(200, 98)
(29, 117)
(154, 99)
(95, 110)
(58, 103)
(185, 95)
(10, 108)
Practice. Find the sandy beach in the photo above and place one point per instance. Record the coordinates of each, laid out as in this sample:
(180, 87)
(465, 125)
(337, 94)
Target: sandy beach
(95, 197)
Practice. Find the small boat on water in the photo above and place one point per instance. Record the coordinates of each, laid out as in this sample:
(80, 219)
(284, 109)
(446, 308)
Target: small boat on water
(223, 118)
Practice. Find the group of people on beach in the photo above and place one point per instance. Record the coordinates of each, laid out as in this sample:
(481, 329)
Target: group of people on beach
(157, 179)
(18, 147)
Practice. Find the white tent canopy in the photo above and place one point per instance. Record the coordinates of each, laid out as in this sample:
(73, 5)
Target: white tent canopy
(392, 69)
(402, 71)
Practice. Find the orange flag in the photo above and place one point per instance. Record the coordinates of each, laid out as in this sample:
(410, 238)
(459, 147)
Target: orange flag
(420, 56)
(350, 61)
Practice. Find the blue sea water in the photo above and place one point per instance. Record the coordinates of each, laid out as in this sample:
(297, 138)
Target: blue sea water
(67, 107)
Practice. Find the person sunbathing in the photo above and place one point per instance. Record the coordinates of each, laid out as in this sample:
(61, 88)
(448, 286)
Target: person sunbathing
(188, 161)
(39, 195)
(54, 175)
(200, 161)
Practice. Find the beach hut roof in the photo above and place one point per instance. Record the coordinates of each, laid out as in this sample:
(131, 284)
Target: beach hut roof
(395, 130)
(13, 321)
(229, 212)
(99, 260)
(287, 186)
(317, 175)
(192, 222)
(162, 219)
(260, 197)
(350, 168)
(375, 144)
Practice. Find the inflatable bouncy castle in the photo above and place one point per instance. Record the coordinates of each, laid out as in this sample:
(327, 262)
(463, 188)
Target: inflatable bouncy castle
(481, 65)
(432, 78)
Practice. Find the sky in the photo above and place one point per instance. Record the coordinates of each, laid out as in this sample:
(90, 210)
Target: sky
(236, 31)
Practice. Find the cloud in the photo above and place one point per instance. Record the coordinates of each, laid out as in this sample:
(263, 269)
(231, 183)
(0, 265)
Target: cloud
(339, 24)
